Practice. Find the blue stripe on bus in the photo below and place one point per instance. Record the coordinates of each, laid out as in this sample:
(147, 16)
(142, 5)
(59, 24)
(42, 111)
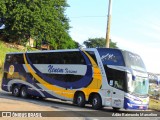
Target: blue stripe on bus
(83, 82)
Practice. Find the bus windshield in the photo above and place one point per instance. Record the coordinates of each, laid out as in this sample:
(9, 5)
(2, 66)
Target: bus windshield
(140, 84)
(134, 61)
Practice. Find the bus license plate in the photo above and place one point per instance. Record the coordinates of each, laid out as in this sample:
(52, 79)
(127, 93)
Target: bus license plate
(140, 107)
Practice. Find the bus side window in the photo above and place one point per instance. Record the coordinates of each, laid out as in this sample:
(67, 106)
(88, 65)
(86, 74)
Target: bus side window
(118, 84)
(8, 58)
(14, 59)
(116, 78)
(71, 58)
(18, 59)
(92, 54)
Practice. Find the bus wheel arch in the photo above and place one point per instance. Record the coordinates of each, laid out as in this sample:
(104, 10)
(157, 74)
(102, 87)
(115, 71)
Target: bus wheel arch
(79, 99)
(95, 100)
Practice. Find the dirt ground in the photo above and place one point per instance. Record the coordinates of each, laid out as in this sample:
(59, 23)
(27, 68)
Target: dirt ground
(7, 104)
(12, 105)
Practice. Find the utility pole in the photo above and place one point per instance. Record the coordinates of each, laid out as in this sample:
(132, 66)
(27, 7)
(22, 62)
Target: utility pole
(108, 24)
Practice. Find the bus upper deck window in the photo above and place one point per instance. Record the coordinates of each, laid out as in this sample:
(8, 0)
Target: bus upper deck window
(8, 58)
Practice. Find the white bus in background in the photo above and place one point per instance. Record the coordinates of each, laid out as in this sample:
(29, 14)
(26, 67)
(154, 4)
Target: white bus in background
(97, 76)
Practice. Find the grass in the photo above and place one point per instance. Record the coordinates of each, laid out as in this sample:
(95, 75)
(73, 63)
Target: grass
(0, 76)
(154, 104)
(3, 50)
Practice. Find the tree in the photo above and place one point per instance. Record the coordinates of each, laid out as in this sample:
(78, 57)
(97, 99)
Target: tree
(38, 19)
(98, 42)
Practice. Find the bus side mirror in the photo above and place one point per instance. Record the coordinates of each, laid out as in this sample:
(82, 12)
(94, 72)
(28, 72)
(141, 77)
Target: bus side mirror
(133, 77)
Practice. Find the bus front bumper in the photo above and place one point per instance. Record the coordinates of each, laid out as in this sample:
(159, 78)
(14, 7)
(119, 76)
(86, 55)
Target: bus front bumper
(136, 106)
(128, 104)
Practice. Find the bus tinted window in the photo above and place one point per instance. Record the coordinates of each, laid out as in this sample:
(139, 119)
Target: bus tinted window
(92, 54)
(56, 58)
(65, 78)
(111, 57)
(14, 59)
(116, 78)
(133, 61)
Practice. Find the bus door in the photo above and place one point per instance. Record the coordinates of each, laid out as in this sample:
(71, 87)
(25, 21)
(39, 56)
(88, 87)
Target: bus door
(117, 80)
(117, 98)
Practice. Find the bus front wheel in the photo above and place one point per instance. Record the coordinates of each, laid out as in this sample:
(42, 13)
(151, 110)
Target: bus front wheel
(80, 100)
(15, 91)
(23, 92)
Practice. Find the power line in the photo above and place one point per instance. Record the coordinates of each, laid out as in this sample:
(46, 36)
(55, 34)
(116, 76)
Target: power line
(89, 17)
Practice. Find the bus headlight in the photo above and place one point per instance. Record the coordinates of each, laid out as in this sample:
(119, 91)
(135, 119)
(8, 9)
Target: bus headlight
(130, 105)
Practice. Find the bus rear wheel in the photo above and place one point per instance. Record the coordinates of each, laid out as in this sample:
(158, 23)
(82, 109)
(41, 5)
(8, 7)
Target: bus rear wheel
(15, 91)
(96, 102)
(80, 100)
(23, 92)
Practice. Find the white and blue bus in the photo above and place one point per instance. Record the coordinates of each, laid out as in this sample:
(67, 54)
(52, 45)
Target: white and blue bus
(97, 76)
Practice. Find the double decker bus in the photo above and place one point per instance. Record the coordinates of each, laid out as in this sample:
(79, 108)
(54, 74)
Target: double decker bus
(97, 76)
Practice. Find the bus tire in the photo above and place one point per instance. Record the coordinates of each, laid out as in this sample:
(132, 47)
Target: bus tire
(96, 102)
(80, 100)
(23, 92)
(15, 91)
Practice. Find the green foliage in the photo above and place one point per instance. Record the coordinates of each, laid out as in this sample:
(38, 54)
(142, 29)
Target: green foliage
(3, 50)
(98, 42)
(39, 19)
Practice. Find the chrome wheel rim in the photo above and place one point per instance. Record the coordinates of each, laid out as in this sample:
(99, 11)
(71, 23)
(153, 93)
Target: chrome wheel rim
(16, 91)
(95, 101)
(79, 99)
(23, 93)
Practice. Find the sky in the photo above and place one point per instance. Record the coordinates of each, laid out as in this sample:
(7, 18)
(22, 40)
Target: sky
(135, 25)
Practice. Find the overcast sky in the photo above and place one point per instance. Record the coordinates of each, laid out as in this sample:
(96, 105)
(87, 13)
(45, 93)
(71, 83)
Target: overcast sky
(135, 25)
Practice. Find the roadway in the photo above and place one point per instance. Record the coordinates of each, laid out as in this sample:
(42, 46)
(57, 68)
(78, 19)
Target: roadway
(65, 109)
